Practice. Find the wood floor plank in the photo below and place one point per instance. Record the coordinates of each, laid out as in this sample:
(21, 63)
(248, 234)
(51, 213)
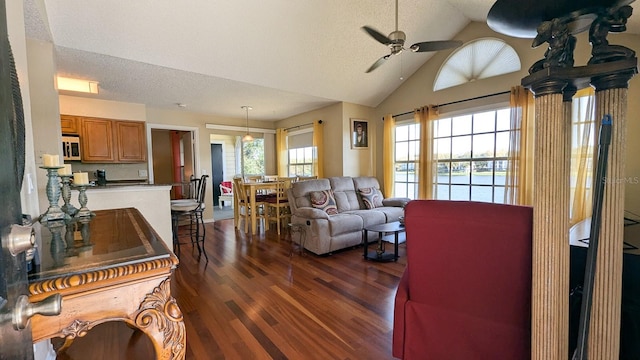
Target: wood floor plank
(258, 299)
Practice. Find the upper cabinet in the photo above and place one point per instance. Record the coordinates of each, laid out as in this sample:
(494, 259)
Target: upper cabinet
(70, 125)
(131, 137)
(97, 140)
(110, 141)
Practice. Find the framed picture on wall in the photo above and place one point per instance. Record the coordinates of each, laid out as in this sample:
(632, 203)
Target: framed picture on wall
(359, 134)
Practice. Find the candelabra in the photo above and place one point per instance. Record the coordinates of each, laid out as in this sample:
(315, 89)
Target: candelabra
(82, 199)
(54, 212)
(66, 195)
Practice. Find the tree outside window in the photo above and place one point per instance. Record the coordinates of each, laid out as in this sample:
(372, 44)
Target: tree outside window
(253, 157)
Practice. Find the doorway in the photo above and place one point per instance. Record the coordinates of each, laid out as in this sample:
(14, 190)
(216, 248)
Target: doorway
(172, 156)
(217, 171)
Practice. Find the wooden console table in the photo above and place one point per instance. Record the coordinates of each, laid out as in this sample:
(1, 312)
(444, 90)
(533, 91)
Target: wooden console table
(111, 267)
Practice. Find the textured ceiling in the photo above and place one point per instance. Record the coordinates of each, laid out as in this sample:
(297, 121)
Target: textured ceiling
(281, 57)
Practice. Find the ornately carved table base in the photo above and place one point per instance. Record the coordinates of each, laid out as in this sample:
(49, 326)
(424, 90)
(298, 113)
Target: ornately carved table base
(158, 316)
(138, 294)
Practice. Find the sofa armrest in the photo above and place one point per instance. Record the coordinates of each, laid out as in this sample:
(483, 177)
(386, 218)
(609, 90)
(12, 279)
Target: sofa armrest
(395, 201)
(311, 213)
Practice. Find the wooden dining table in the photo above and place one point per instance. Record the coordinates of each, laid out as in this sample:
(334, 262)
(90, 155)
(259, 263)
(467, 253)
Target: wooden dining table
(252, 189)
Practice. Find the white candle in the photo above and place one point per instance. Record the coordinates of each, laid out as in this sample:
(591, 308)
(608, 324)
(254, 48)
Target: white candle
(81, 178)
(49, 160)
(66, 170)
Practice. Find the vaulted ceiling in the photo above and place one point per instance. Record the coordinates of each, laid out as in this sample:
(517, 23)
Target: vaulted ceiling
(282, 57)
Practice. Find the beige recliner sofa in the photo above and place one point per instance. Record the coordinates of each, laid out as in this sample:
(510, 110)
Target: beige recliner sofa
(340, 223)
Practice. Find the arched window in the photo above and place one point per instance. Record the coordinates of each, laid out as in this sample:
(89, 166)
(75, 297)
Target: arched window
(478, 59)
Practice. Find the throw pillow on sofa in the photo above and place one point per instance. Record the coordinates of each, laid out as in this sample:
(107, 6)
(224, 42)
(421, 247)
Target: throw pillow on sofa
(371, 197)
(324, 200)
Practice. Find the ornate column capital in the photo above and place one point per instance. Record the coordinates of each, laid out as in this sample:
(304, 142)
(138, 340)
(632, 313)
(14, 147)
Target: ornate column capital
(615, 80)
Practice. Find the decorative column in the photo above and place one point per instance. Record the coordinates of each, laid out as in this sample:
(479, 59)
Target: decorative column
(609, 71)
(552, 148)
(604, 331)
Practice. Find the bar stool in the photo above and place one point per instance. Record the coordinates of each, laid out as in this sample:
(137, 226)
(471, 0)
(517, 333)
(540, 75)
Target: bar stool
(190, 209)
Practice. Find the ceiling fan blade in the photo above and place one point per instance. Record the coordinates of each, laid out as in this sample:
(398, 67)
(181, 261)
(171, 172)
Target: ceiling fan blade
(377, 35)
(435, 45)
(378, 63)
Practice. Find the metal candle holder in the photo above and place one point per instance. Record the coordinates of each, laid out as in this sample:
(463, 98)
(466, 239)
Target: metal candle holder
(66, 195)
(54, 212)
(82, 199)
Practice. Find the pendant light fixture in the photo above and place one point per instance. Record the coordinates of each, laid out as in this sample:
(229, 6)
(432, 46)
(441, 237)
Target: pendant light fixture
(248, 136)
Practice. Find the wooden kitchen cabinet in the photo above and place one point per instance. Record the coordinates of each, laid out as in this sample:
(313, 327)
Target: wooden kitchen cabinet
(96, 140)
(70, 124)
(112, 141)
(131, 137)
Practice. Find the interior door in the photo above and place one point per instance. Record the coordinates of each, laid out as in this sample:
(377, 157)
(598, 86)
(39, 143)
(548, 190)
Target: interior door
(217, 171)
(14, 344)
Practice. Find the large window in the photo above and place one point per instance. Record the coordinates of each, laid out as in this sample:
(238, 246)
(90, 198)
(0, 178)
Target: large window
(406, 160)
(253, 157)
(471, 151)
(301, 161)
(300, 151)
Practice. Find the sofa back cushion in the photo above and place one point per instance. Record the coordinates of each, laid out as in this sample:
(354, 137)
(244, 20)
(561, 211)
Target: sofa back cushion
(345, 193)
(324, 201)
(364, 182)
(301, 189)
(371, 197)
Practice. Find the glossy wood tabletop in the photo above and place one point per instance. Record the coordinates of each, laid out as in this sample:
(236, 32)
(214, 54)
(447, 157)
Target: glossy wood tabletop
(257, 300)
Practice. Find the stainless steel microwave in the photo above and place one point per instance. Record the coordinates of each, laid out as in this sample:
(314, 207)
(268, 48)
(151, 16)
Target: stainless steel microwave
(71, 147)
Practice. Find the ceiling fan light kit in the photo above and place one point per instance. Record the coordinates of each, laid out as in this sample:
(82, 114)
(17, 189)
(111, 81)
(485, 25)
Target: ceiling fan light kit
(395, 42)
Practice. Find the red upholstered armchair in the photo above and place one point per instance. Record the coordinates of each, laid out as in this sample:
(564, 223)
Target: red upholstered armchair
(466, 290)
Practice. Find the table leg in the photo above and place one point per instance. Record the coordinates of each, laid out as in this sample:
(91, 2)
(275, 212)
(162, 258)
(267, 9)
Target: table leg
(380, 249)
(395, 256)
(252, 204)
(366, 244)
(236, 213)
(161, 319)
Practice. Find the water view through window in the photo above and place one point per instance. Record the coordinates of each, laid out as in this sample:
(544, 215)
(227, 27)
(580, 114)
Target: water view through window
(472, 156)
(471, 151)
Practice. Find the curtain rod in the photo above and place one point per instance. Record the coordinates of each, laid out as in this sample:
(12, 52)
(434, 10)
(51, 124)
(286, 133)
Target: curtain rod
(297, 126)
(459, 101)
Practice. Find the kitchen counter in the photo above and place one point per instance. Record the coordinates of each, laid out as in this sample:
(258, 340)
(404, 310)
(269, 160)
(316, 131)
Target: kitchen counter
(152, 200)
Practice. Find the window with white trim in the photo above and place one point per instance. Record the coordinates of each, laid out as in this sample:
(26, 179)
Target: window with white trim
(301, 161)
(300, 151)
(407, 151)
(471, 152)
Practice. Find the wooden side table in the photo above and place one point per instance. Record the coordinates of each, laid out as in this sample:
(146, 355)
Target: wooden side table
(112, 267)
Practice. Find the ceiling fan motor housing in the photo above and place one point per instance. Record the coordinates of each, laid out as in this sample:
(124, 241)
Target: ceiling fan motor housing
(397, 41)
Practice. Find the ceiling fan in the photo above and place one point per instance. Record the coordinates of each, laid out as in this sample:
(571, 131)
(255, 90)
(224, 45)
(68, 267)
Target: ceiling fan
(395, 42)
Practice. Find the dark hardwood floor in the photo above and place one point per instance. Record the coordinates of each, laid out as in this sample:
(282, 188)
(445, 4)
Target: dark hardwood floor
(252, 300)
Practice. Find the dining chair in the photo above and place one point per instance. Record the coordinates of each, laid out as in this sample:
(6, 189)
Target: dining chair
(303, 178)
(278, 205)
(190, 210)
(226, 193)
(254, 178)
(244, 210)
